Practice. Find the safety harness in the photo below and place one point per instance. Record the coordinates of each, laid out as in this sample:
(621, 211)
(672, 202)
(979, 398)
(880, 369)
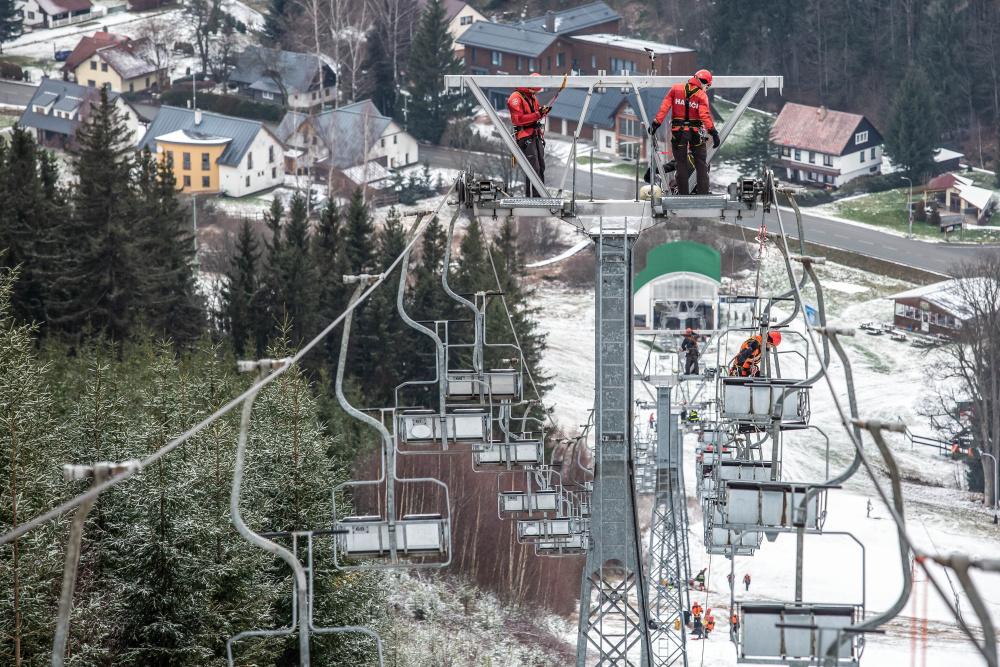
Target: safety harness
(536, 126)
(688, 124)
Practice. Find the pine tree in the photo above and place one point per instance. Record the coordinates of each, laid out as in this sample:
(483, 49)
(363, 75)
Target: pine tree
(759, 150)
(432, 57)
(106, 284)
(242, 308)
(11, 22)
(359, 244)
(328, 258)
(912, 133)
(290, 279)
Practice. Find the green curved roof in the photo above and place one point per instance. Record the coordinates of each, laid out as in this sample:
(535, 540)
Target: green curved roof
(680, 256)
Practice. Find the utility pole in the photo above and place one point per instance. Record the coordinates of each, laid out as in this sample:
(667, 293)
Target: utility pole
(996, 484)
(909, 206)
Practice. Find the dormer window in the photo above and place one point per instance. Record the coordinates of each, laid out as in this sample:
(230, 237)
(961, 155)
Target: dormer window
(861, 137)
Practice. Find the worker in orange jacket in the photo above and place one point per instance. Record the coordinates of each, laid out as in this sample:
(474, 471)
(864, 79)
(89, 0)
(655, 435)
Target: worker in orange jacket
(696, 610)
(690, 122)
(709, 623)
(746, 362)
(527, 115)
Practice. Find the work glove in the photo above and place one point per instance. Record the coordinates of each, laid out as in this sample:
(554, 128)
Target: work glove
(545, 111)
(715, 138)
(653, 127)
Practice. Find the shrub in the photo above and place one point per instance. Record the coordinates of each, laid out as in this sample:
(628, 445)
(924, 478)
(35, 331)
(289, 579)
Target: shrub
(11, 71)
(227, 105)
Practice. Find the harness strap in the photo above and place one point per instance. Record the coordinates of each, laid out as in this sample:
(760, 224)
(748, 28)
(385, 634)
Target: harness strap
(536, 125)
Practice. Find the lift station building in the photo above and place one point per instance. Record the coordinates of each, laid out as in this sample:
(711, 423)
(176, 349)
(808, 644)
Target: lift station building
(679, 288)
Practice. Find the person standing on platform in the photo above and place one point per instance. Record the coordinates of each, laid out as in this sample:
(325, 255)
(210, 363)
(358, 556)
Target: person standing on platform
(528, 115)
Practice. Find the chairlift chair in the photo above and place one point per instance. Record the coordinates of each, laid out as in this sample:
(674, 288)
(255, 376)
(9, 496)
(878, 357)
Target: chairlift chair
(796, 634)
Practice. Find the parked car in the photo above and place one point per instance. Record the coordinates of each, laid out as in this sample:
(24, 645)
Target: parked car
(61, 56)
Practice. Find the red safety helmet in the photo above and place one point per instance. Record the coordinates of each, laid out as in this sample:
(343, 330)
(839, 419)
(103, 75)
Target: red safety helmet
(705, 76)
(539, 89)
(774, 338)
(688, 330)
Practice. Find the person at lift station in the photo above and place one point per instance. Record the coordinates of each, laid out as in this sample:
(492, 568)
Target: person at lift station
(690, 122)
(700, 580)
(527, 115)
(746, 363)
(746, 580)
(689, 345)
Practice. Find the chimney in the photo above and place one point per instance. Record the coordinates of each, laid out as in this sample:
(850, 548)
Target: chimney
(822, 111)
(550, 21)
(197, 116)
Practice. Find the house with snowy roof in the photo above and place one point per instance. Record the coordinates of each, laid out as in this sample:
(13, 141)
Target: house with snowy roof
(958, 196)
(940, 308)
(212, 153)
(344, 137)
(86, 48)
(57, 13)
(58, 108)
(299, 80)
(824, 147)
(124, 66)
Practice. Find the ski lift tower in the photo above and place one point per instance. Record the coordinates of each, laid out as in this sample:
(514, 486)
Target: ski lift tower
(613, 606)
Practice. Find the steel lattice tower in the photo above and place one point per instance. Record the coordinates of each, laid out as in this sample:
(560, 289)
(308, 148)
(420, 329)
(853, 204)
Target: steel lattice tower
(613, 593)
(669, 559)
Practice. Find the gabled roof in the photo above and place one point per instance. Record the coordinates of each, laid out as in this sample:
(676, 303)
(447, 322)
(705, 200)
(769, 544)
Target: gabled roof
(509, 38)
(240, 131)
(602, 108)
(270, 70)
(801, 126)
(945, 181)
(577, 18)
(345, 132)
(63, 96)
(950, 295)
(631, 43)
(86, 47)
(131, 59)
(978, 197)
(451, 7)
(52, 7)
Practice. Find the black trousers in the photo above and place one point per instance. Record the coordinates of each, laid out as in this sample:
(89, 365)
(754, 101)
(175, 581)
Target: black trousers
(533, 148)
(685, 142)
(692, 366)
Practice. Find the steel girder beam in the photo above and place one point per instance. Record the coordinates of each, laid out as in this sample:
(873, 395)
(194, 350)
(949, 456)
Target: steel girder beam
(613, 594)
(601, 81)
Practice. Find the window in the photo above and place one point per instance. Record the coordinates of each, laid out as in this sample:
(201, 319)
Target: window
(827, 160)
(131, 87)
(627, 127)
(862, 154)
(798, 155)
(617, 65)
(170, 158)
(477, 71)
(593, 61)
(104, 67)
(313, 96)
(187, 160)
(90, 82)
(187, 181)
(249, 160)
(497, 59)
(548, 62)
(270, 153)
(531, 64)
(407, 158)
(518, 63)
(812, 158)
(607, 142)
(786, 151)
(314, 141)
(206, 181)
(382, 142)
(93, 64)
(31, 15)
(861, 137)
(872, 156)
(560, 60)
(274, 172)
(395, 139)
(473, 54)
(205, 160)
(465, 20)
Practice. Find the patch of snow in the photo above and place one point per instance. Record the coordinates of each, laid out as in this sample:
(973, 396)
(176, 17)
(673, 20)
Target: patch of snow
(846, 288)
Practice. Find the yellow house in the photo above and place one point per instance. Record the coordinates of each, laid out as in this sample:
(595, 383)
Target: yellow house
(195, 159)
(128, 66)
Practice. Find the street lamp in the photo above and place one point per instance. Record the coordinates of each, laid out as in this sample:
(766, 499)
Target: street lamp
(909, 204)
(996, 483)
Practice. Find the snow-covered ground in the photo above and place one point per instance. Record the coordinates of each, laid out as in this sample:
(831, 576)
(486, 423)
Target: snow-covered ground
(890, 379)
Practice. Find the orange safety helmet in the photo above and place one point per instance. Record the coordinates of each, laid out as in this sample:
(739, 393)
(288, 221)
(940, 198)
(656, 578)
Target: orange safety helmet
(539, 89)
(705, 76)
(688, 330)
(774, 338)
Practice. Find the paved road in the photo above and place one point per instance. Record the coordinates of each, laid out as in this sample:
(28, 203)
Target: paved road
(16, 94)
(938, 257)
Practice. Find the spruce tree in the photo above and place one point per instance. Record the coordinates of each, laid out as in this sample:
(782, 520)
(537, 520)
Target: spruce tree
(759, 150)
(106, 284)
(297, 270)
(242, 300)
(11, 22)
(431, 58)
(359, 244)
(912, 133)
(328, 258)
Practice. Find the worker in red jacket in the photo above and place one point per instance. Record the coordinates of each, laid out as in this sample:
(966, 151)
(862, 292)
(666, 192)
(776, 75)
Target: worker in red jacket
(690, 123)
(527, 115)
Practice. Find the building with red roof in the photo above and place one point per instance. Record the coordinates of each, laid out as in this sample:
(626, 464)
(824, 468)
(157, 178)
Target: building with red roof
(825, 148)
